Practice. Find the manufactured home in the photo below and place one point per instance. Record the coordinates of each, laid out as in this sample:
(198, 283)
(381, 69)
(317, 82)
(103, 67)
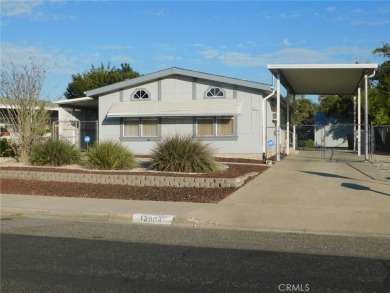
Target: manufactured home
(229, 113)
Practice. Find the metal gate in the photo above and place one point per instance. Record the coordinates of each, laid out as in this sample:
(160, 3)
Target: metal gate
(338, 142)
(380, 147)
(75, 131)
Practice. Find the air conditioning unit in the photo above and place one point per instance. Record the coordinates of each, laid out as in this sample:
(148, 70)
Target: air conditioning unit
(274, 116)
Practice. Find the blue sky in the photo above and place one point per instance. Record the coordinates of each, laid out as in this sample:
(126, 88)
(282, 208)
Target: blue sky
(230, 38)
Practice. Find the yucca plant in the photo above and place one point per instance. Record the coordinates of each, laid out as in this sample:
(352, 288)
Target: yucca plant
(110, 155)
(54, 153)
(182, 153)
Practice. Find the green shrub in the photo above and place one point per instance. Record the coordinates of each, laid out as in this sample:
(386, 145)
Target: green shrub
(54, 153)
(309, 144)
(183, 154)
(110, 156)
(6, 149)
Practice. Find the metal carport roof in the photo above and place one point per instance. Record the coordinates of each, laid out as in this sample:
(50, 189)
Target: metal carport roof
(322, 79)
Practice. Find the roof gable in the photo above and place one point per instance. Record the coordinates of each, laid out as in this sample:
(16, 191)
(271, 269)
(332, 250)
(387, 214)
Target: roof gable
(171, 72)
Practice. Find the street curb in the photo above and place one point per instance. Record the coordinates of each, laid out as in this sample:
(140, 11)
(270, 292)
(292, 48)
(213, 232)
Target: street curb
(177, 222)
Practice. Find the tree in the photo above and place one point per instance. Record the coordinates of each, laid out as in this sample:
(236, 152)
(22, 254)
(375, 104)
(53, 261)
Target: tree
(25, 114)
(98, 77)
(379, 102)
(337, 106)
(305, 111)
(385, 51)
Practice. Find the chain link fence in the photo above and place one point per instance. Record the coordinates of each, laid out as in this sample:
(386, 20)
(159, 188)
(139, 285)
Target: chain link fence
(380, 147)
(328, 140)
(339, 136)
(75, 132)
(274, 137)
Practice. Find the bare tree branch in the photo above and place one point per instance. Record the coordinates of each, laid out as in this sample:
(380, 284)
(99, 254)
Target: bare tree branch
(23, 112)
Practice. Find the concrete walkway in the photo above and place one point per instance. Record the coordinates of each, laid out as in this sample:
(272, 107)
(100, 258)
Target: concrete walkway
(299, 194)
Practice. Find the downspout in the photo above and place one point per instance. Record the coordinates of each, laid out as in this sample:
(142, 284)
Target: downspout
(366, 77)
(264, 121)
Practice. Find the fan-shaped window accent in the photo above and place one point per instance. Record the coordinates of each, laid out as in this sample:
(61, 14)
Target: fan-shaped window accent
(215, 92)
(140, 95)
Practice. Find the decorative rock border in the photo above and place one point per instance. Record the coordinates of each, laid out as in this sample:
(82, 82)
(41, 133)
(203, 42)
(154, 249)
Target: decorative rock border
(132, 180)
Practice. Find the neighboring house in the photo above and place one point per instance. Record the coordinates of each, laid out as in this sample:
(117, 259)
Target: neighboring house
(333, 132)
(7, 117)
(223, 111)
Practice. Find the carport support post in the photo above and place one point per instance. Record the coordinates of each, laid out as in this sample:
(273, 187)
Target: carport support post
(359, 107)
(278, 118)
(294, 119)
(366, 117)
(354, 123)
(288, 125)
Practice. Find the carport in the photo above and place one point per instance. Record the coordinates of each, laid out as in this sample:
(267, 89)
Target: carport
(322, 79)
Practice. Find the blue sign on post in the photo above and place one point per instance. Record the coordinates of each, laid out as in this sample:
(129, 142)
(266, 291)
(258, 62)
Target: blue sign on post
(271, 143)
(87, 139)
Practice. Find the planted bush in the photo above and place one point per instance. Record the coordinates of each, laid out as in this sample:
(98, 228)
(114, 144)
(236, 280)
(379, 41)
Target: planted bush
(110, 156)
(183, 154)
(6, 149)
(54, 153)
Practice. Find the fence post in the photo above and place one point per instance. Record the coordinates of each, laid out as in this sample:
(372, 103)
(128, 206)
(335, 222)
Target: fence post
(323, 143)
(97, 132)
(372, 143)
(294, 139)
(288, 139)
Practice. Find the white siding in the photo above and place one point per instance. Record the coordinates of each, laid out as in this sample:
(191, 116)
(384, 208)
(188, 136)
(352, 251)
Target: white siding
(248, 140)
(109, 128)
(176, 89)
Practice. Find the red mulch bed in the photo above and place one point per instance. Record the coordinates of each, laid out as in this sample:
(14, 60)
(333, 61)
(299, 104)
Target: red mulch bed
(110, 191)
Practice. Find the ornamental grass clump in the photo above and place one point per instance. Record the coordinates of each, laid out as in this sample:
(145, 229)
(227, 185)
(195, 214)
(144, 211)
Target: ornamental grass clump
(110, 155)
(183, 154)
(54, 153)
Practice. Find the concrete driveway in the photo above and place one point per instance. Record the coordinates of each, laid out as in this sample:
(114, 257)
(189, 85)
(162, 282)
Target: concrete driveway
(303, 193)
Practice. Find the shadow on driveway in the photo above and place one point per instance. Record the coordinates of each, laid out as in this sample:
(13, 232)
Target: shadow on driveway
(327, 175)
(330, 175)
(361, 187)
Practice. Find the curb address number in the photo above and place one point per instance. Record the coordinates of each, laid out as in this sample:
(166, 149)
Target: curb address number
(153, 219)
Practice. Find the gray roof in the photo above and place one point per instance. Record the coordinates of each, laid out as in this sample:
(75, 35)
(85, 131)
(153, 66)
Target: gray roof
(176, 71)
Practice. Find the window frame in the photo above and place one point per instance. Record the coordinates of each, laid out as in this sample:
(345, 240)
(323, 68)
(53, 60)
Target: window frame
(214, 96)
(218, 126)
(141, 131)
(140, 99)
(215, 134)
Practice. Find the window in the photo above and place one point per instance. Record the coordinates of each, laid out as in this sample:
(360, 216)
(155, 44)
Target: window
(141, 95)
(215, 92)
(223, 126)
(149, 127)
(139, 127)
(131, 127)
(205, 126)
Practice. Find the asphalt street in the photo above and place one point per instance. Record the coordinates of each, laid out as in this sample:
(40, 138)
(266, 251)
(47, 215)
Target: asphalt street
(65, 256)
